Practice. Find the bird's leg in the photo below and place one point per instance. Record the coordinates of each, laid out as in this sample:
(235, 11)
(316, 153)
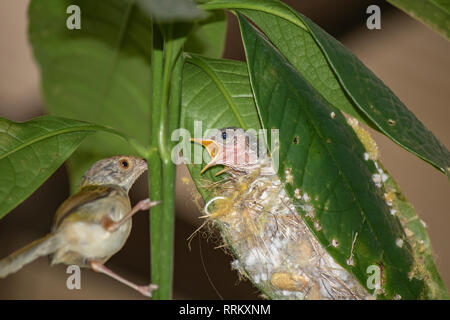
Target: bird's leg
(145, 290)
(112, 226)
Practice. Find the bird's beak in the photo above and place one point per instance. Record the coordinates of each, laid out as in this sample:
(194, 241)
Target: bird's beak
(213, 150)
(142, 164)
(140, 167)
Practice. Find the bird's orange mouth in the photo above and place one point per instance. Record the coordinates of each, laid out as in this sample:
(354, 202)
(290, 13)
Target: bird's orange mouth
(213, 150)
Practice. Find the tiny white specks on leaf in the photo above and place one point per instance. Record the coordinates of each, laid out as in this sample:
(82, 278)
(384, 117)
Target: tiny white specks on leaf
(317, 225)
(288, 175)
(366, 156)
(376, 178)
(306, 197)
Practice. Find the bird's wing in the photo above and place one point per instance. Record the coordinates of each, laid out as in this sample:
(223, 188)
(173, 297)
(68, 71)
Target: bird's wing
(83, 197)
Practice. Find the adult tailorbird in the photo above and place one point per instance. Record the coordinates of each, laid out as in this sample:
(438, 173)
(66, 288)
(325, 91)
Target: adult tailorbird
(93, 224)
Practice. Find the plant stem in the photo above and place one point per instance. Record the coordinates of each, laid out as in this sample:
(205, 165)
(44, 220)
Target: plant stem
(155, 169)
(166, 103)
(175, 94)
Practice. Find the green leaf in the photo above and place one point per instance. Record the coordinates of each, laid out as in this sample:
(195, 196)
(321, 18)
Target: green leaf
(419, 240)
(290, 35)
(328, 163)
(31, 151)
(208, 39)
(301, 50)
(170, 10)
(380, 104)
(275, 8)
(100, 73)
(223, 84)
(340, 76)
(433, 13)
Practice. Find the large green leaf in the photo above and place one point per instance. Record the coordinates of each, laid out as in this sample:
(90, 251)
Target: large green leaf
(31, 151)
(340, 76)
(223, 84)
(101, 73)
(303, 53)
(433, 13)
(380, 104)
(418, 237)
(209, 36)
(328, 163)
(275, 8)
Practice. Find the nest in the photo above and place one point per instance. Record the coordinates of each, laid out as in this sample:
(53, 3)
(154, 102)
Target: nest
(273, 246)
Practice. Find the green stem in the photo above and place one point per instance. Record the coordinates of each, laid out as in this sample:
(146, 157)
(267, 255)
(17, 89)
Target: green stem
(166, 103)
(175, 94)
(167, 223)
(168, 48)
(155, 167)
(167, 232)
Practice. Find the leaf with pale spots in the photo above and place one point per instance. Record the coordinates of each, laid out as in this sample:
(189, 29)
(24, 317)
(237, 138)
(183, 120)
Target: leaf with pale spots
(416, 233)
(225, 84)
(328, 164)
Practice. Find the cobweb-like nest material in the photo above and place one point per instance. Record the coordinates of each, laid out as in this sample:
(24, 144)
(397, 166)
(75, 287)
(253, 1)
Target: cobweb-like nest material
(273, 246)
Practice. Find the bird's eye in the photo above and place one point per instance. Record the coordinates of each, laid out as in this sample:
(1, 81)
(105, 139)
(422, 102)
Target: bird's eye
(224, 135)
(124, 163)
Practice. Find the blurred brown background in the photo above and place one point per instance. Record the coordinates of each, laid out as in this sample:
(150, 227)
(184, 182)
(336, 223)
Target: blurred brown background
(411, 59)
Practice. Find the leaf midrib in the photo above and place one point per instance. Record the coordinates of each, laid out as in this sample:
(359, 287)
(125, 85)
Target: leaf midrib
(202, 65)
(48, 136)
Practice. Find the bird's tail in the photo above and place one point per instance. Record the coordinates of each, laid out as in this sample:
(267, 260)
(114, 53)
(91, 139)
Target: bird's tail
(15, 261)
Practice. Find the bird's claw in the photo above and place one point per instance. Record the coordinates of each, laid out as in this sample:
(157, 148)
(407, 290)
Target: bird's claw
(147, 290)
(147, 204)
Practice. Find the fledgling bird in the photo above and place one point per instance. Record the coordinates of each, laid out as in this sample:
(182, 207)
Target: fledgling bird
(274, 247)
(91, 225)
(237, 150)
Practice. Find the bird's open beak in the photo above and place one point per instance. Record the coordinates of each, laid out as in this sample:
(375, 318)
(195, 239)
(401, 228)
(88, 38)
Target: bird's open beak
(213, 150)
